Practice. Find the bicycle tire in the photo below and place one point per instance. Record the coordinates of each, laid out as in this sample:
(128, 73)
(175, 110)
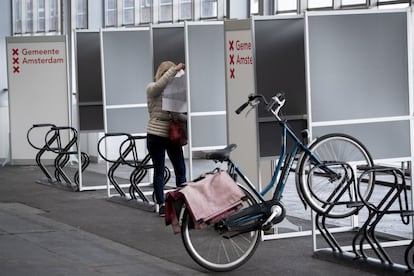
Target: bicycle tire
(211, 249)
(341, 153)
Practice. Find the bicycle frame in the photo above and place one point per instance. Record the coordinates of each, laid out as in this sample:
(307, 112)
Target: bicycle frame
(273, 210)
(281, 172)
(285, 157)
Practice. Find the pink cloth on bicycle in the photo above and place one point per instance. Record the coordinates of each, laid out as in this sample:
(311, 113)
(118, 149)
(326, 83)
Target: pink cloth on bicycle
(208, 200)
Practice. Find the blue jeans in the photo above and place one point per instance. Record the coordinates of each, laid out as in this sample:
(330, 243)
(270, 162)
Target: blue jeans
(157, 146)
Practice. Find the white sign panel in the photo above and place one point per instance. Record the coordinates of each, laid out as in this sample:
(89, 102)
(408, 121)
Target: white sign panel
(239, 84)
(38, 88)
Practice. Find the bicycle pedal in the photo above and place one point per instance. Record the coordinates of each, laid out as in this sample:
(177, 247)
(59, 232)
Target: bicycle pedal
(277, 215)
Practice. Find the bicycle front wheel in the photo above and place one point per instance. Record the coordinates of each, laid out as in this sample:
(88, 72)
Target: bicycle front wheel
(216, 247)
(328, 195)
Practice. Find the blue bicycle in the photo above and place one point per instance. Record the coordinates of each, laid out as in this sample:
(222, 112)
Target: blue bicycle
(325, 176)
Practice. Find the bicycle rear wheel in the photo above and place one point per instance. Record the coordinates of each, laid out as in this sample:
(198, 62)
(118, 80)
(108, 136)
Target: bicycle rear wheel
(216, 247)
(328, 195)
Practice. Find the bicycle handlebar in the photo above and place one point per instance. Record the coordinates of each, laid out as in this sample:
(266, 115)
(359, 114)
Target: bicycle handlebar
(241, 108)
(253, 100)
(273, 106)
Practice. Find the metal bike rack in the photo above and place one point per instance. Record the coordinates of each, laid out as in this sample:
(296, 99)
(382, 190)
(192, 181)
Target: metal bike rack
(128, 155)
(334, 199)
(54, 144)
(366, 238)
(42, 150)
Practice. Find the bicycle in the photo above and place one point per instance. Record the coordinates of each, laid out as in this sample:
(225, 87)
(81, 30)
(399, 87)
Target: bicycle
(325, 181)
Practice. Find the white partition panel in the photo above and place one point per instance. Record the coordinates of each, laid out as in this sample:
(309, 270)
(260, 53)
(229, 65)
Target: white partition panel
(206, 71)
(38, 89)
(127, 70)
(384, 140)
(127, 67)
(206, 86)
(358, 78)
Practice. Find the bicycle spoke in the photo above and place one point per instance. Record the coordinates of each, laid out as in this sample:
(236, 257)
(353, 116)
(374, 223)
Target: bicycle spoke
(215, 248)
(337, 153)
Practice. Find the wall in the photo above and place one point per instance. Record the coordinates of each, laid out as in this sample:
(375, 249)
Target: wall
(5, 30)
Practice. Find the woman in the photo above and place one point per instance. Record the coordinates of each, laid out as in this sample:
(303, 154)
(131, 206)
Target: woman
(157, 132)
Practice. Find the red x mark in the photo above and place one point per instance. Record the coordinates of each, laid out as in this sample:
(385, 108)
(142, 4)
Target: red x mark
(16, 60)
(232, 59)
(231, 48)
(15, 52)
(232, 76)
(16, 69)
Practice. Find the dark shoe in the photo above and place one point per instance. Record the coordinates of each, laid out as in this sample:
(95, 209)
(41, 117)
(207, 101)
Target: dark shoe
(161, 211)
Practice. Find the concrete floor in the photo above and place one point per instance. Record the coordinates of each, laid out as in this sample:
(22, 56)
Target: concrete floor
(45, 230)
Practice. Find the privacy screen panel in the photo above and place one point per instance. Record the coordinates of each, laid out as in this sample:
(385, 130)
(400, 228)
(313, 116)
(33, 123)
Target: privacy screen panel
(358, 65)
(128, 66)
(89, 81)
(168, 44)
(280, 62)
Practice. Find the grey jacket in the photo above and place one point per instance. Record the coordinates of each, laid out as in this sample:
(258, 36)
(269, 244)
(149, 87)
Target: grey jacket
(159, 119)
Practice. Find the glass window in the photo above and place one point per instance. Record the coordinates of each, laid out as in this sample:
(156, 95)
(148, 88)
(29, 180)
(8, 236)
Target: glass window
(208, 8)
(254, 6)
(145, 12)
(41, 16)
(353, 2)
(286, 6)
(111, 13)
(29, 16)
(391, 1)
(166, 10)
(186, 10)
(128, 12)
(54, 18)
(315, 4)
(82, 14)
(17, 14)
(392, 4)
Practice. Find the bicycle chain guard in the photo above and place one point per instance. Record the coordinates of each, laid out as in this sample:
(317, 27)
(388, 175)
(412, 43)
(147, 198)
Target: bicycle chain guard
(259, 216)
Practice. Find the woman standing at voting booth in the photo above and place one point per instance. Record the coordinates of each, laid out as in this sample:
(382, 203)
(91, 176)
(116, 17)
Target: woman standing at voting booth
(158, 141)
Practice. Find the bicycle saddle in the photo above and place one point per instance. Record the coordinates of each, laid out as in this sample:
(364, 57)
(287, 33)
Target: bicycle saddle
(221, 154)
